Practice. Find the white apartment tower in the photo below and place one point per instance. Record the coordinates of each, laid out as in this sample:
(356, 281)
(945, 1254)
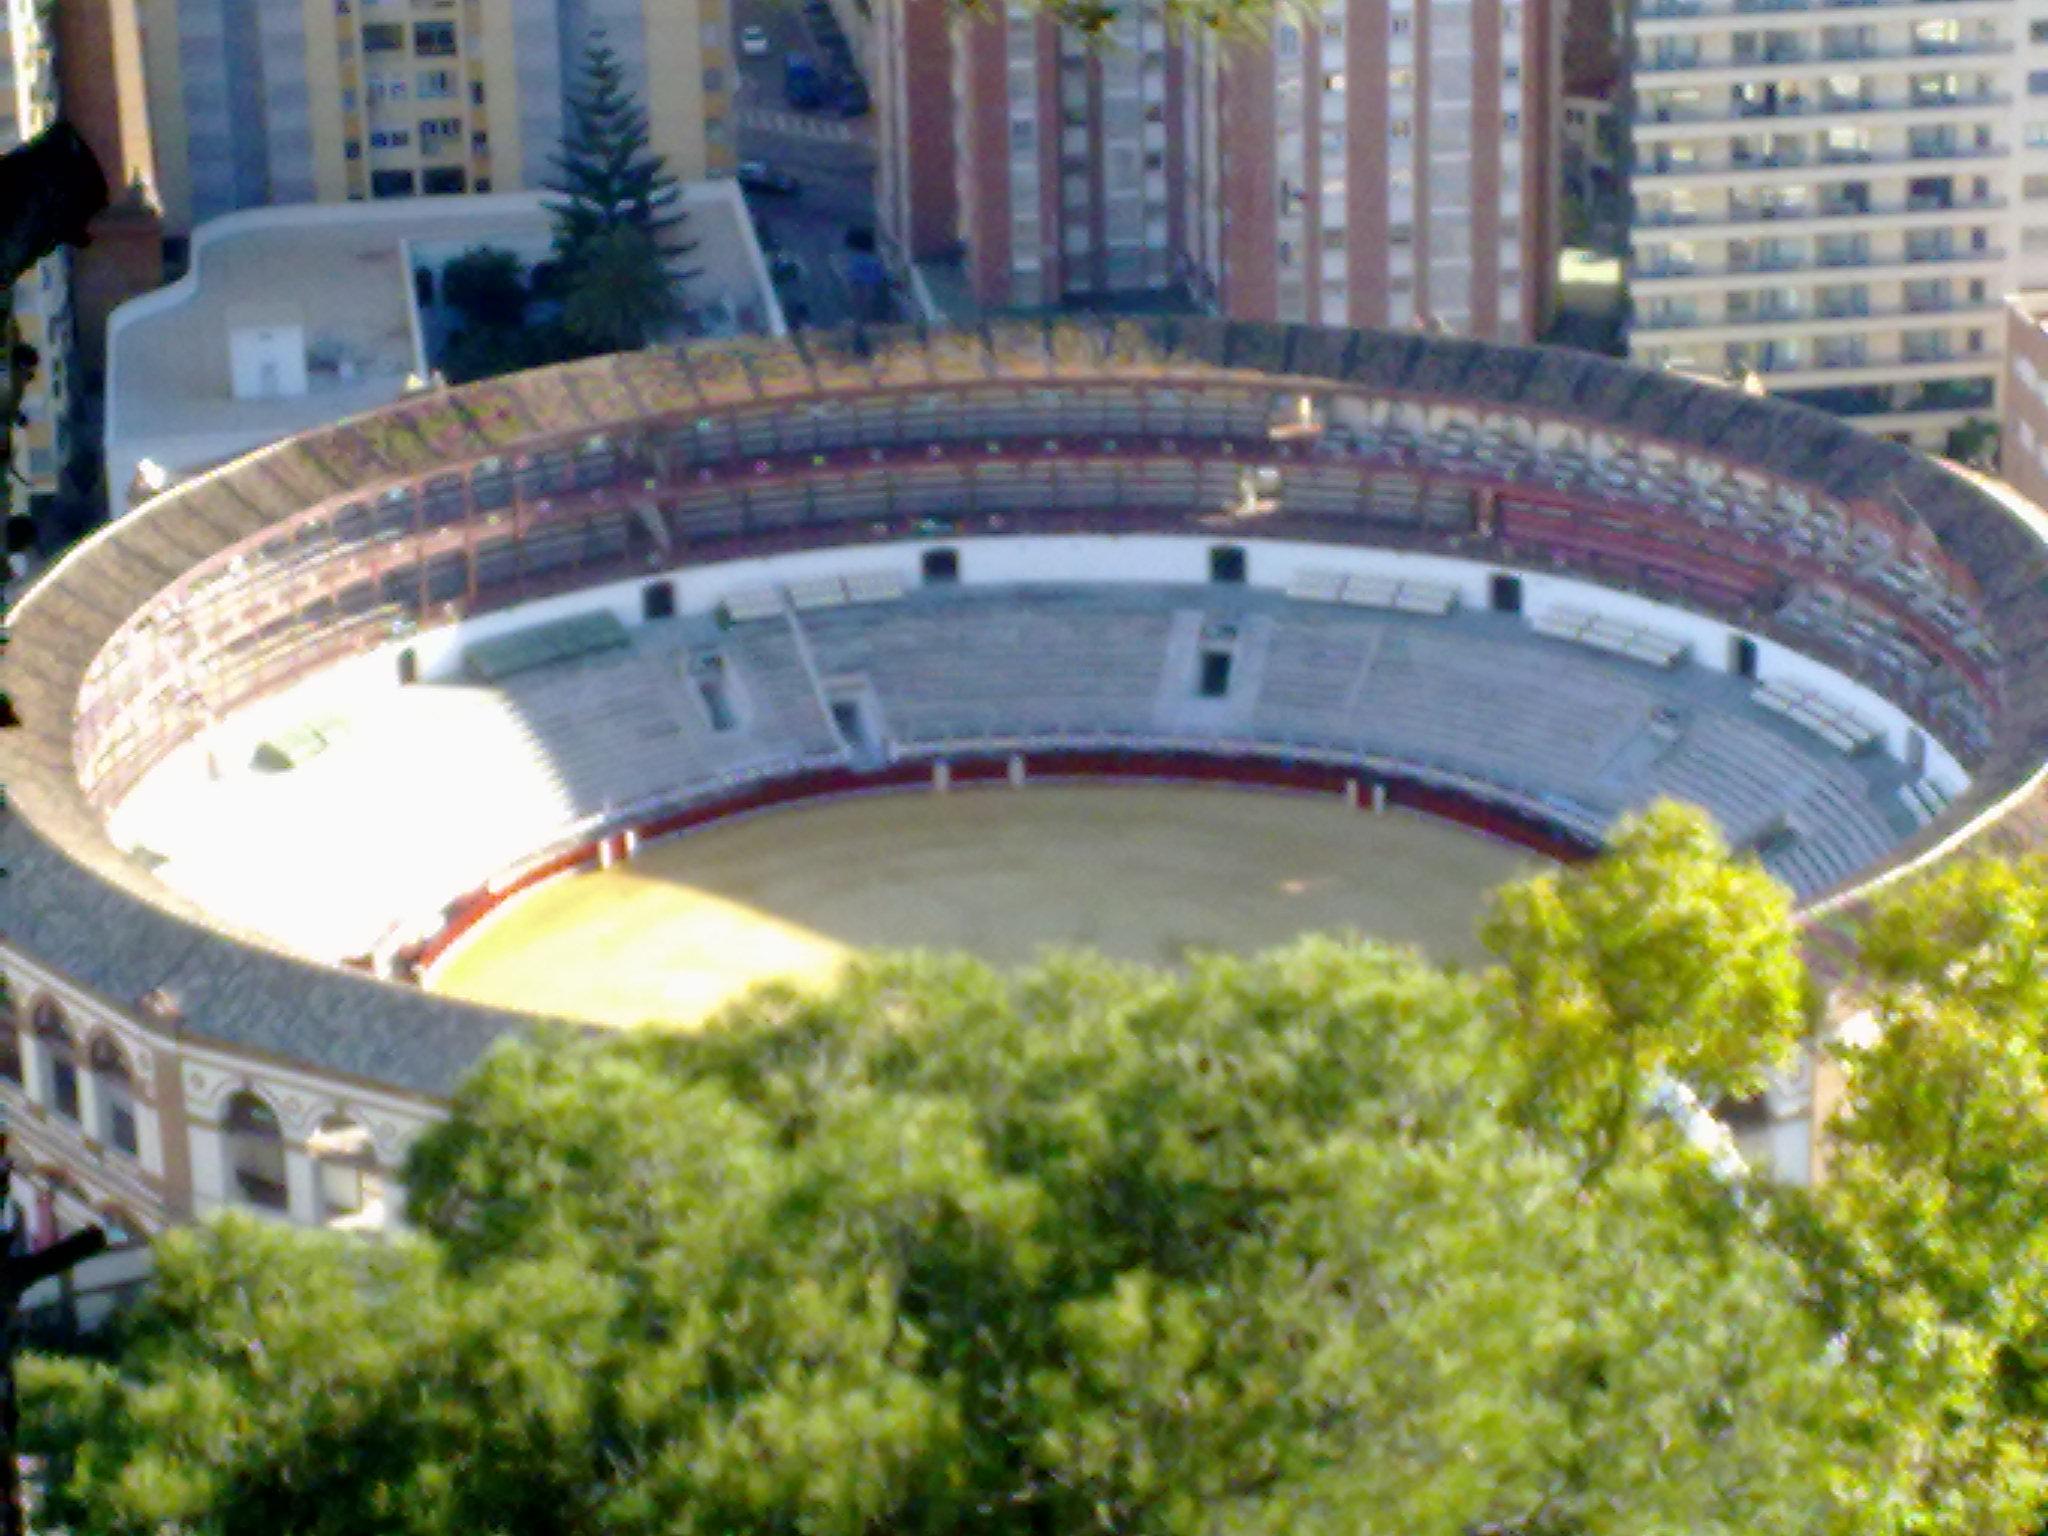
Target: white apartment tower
(1831, 200)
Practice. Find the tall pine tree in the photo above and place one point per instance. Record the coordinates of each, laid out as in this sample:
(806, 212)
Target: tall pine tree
(611, 181)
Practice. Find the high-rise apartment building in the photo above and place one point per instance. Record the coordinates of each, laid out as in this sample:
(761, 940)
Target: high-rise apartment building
(916, 187)
(99, 82)
(254, 102)
(1833, 200)
(41, 301)
(1371, 162)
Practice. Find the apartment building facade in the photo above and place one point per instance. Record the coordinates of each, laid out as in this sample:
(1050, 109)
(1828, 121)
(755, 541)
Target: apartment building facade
(1374, 162)
(41, 301)
(255, 102)
(1832, 200)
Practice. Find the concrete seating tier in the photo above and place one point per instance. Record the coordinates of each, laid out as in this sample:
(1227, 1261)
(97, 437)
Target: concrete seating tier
(432, 790)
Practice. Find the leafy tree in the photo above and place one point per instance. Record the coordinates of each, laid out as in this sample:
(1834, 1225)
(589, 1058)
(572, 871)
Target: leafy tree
(472, 354)
(1663, 958)
(612, 186)
(618, 292)
(1927, 1244)
(1086, 1249)
(486, 287)
(1975, 443)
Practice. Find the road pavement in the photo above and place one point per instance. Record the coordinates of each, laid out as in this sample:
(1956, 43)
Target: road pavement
(831, 157)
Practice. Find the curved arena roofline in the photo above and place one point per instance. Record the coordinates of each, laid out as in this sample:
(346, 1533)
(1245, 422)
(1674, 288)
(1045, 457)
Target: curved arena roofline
(1969, 623)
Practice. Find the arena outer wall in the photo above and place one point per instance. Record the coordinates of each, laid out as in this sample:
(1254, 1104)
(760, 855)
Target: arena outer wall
(153, 1044)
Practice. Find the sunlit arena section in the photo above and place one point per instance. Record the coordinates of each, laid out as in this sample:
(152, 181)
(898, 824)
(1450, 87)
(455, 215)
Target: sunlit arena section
(1147, 873)
(304, 736)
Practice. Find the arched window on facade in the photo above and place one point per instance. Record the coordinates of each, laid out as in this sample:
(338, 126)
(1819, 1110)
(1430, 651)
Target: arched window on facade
(60, 1059)
(116, 1094)
(255, 1148)
(350, 1183)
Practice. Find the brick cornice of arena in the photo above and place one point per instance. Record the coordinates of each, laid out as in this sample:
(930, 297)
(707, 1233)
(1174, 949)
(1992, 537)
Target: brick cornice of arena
(83, 907)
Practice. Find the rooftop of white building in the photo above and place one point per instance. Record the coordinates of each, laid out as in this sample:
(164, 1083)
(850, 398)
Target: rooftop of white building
(293, 317)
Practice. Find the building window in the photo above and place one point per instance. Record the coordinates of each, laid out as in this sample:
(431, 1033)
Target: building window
(436, 84)
(60, 1060)
(10, 1048)
(476, 92)
(352, 149)
(255, 1148)
(714, 79)
(116, 1095)
(391, 183)
(383, 37)
(433, 39)
(444, 179)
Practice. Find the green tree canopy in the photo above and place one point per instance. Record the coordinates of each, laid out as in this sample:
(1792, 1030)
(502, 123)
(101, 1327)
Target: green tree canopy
(617, 217)
(1927, 1244)
(1305, 1243)
(607, 175)
(486, 287)
(619, 292)
(1666, 957)
(1084, 1249)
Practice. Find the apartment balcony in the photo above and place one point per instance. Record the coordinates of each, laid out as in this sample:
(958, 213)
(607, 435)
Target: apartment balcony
(1767, 171)
(1724, 328)
(1965, 265)
(1652, 75)
(1810, 373)
(1814, 221)
(1655, 128)
(1675, 17)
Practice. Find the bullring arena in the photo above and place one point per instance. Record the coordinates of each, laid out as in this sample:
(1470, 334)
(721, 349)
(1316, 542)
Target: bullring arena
(606, 690)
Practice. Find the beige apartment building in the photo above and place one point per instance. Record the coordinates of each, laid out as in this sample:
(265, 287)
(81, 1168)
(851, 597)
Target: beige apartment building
(1832, 200)
(1365, 162)
(256, 102)
(42, 298)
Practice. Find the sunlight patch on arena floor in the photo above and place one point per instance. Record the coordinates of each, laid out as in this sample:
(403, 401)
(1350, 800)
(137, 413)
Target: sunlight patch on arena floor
(1142, 872)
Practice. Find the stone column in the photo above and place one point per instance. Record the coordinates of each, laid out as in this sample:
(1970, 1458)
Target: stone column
(89, 1101)
(209, 1152)
(35, 1068)
(149, 1131)
(301, 1185)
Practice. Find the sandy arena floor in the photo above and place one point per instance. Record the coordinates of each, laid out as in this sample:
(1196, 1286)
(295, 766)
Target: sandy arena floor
(1144, 873)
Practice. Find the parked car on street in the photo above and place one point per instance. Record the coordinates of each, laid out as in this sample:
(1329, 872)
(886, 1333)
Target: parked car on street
(753, 42)
(760, 176)
(851, 97)
(803, 84)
